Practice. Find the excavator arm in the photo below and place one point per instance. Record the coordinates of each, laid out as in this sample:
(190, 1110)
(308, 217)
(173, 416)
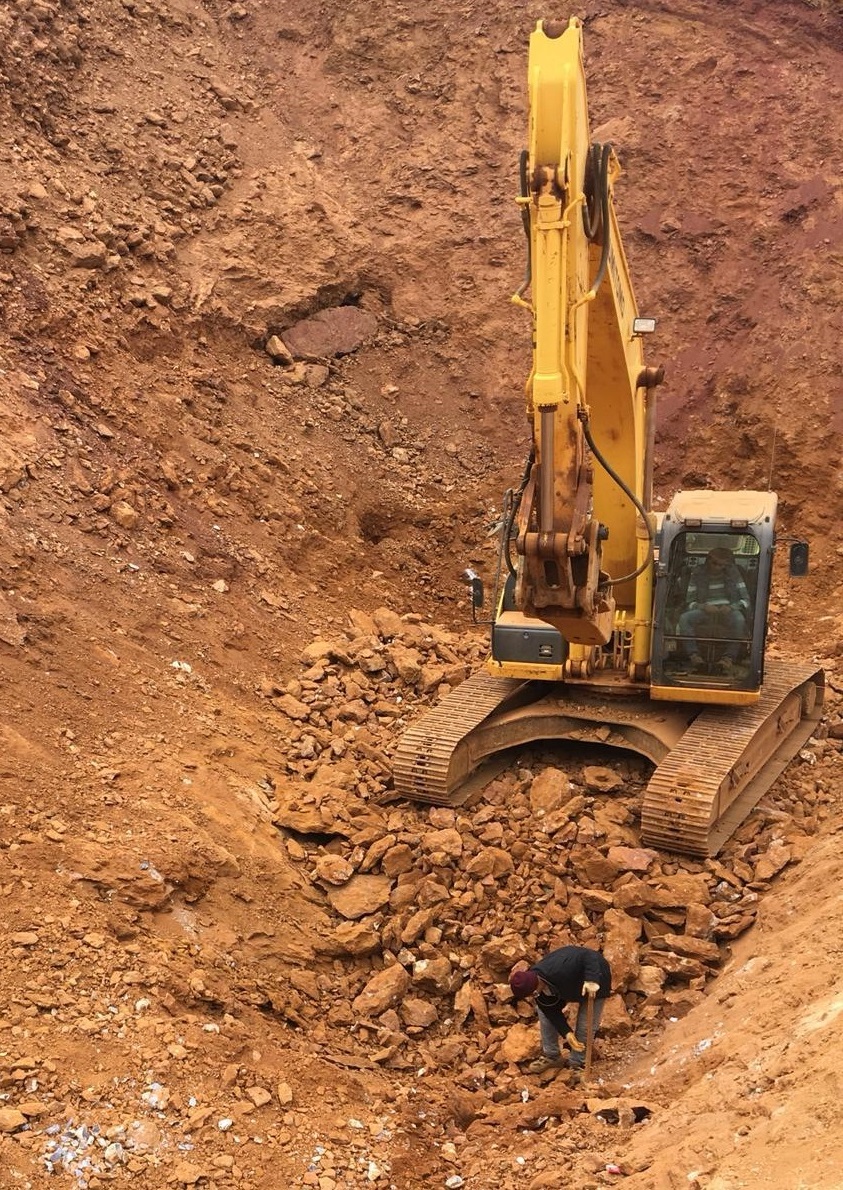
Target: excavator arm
(576, 527)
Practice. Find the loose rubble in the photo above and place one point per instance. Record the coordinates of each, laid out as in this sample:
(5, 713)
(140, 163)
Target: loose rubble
(260, 394)
(446, 901)
(418, 915)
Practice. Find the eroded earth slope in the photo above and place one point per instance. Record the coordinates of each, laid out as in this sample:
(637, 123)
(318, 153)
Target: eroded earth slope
(260, 396)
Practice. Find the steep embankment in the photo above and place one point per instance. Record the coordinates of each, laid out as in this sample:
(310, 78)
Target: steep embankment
(201, 881)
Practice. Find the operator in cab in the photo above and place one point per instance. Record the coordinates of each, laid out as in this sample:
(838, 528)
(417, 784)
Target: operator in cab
(717, 607)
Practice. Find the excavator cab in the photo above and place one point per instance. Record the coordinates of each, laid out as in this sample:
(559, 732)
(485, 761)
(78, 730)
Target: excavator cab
(713, 574)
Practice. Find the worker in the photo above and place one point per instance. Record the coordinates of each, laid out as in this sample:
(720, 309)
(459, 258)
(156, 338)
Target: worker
(717, 605)
(569, 975)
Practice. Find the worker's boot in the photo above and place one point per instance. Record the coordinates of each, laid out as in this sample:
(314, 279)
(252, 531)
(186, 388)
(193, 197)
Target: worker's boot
(546, 1063)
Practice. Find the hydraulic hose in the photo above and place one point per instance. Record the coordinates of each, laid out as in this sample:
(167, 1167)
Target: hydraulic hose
(523, 161)
(627, 492)
(595, 212)
(597, 226)
(511, 511)
(592, 214)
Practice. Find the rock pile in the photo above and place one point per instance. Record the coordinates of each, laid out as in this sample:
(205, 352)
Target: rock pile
(432, 907)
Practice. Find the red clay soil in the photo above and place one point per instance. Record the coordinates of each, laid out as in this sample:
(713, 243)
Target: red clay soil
(231, 573)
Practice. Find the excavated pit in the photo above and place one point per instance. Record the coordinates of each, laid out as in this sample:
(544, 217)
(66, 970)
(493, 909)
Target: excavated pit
(206, 665)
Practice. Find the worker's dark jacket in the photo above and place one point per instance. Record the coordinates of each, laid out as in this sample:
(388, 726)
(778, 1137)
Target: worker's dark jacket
(706, 587)
(566, 970)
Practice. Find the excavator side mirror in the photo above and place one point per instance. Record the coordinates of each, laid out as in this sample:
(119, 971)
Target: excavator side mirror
(798, 559)
(475, 584)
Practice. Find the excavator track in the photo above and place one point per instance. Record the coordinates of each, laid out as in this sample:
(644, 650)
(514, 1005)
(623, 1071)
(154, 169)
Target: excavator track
(426, 764)
(727, 759)
(713, 763)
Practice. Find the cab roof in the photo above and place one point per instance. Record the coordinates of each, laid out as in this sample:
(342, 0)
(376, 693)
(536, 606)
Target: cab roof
(723, 508)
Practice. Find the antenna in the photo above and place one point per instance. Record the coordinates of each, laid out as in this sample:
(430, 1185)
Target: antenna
(772, 459)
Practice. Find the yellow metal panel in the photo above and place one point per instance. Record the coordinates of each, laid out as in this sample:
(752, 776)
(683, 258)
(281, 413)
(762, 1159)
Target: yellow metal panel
(527, 673)
(726, 698)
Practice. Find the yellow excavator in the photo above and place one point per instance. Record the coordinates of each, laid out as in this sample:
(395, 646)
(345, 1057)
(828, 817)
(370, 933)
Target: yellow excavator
(613, 623)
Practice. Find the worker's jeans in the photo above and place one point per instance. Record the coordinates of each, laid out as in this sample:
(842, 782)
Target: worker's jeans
(550, 1035)
(729, 622)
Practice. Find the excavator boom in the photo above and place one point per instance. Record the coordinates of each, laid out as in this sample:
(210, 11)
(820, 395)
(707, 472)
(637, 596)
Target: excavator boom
(569, 531)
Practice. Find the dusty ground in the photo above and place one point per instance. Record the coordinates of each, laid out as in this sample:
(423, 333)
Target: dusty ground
(226, 962)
